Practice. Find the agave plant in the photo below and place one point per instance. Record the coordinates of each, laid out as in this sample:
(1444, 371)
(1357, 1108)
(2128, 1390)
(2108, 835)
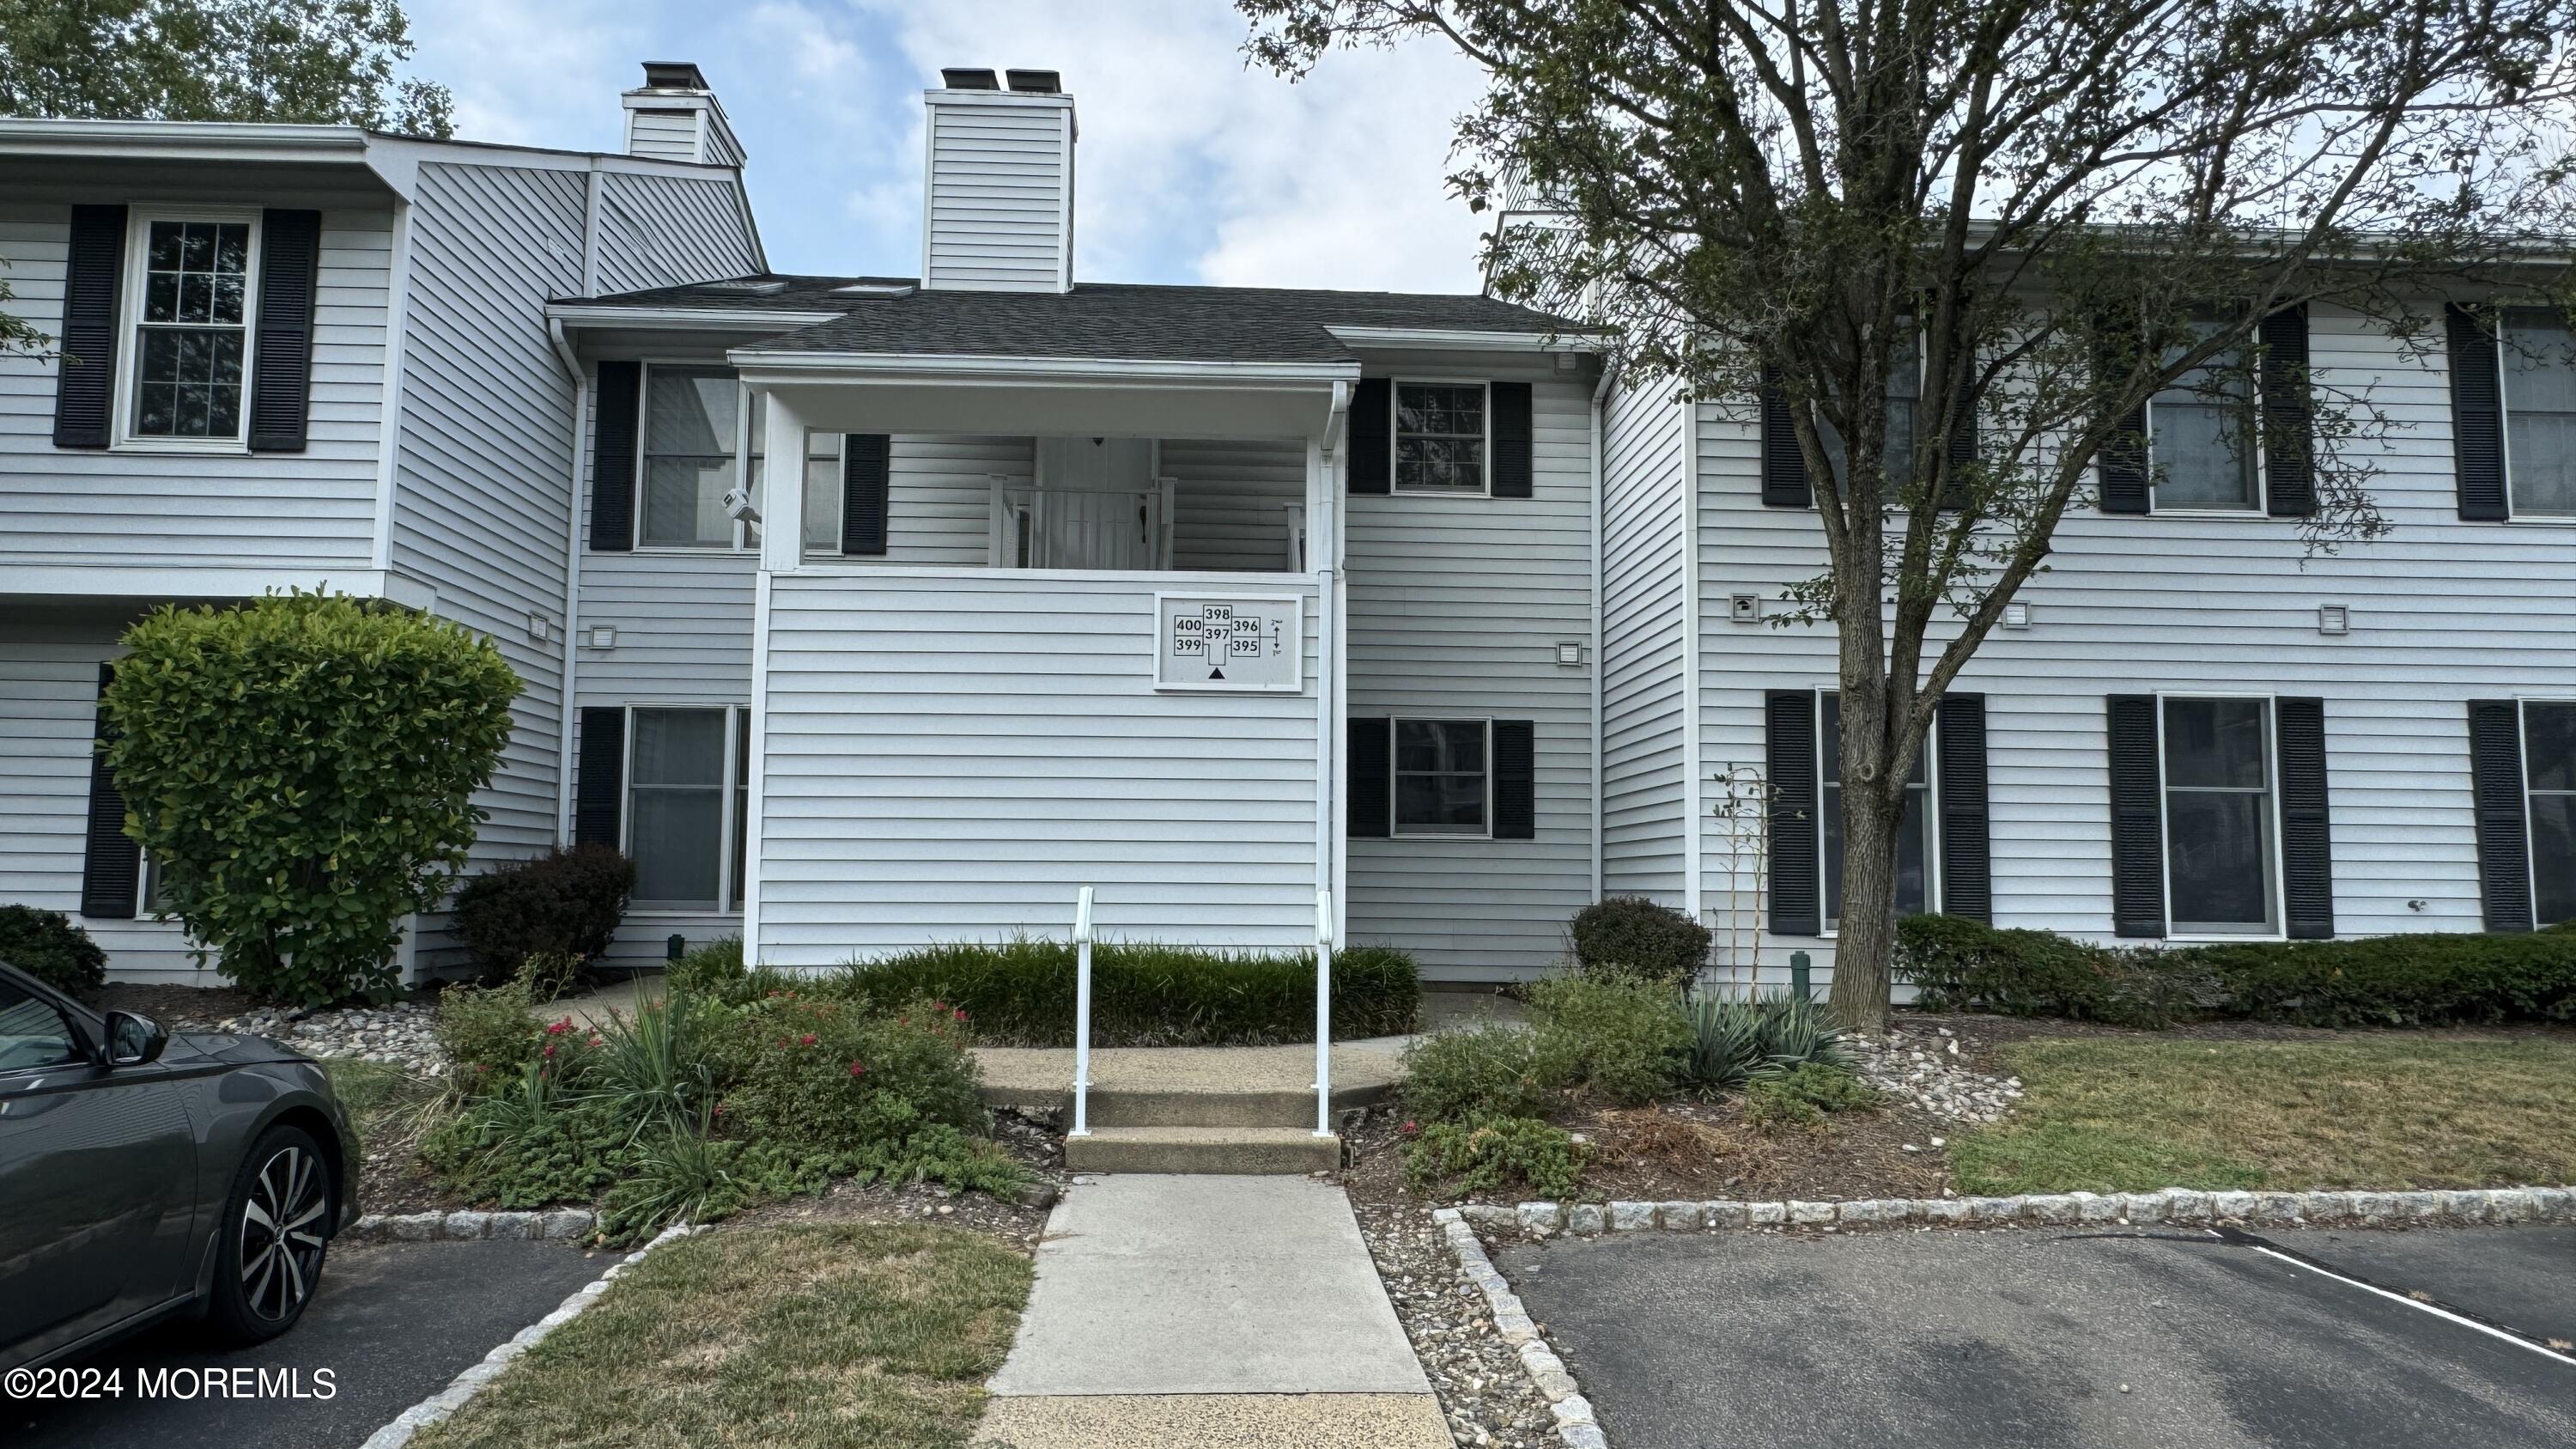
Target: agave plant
(1738, 1041)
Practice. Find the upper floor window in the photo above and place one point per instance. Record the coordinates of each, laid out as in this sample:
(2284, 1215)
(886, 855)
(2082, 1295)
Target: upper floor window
(1440, 437)
(2539, 353)
(823, 492)
(692, 426)
(1904, 397)
(192, 289)
(2201, 446)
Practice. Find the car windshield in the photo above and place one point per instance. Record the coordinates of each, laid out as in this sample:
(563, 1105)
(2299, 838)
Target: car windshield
(32, 1032)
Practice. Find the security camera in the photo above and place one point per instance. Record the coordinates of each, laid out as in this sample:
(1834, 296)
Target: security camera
(739, 507)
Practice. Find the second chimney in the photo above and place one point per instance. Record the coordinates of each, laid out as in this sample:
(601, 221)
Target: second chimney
(998, 186)
(674, 116)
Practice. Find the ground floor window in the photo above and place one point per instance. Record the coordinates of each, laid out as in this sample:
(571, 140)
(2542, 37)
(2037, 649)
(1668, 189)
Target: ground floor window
(2219, 816)
(1915, 845)
(687, 794)
(1442, 783)
(2549, 784)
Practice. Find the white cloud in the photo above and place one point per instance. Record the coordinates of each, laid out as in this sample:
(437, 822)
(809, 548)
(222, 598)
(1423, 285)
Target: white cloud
(1191, 167)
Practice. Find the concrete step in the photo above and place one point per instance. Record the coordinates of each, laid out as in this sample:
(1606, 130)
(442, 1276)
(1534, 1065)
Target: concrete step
(1131, 1107)
(1242, 1150)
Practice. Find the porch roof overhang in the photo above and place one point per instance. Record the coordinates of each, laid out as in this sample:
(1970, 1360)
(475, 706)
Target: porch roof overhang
(863, 392)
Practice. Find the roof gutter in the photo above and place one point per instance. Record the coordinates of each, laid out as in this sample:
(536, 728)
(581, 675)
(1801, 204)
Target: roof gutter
(1461, 339)
(685, 319)
(759, 364)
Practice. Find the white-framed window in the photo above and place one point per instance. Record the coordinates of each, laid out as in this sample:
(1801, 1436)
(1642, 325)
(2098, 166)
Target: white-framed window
(2221, 803)
(1904, 404)
(2204, 444)
(1918, 845)
(2537, 351)
(191, 299)
(687, 791)
(823, 497)
(1444, 776)
(690, 455)
(1443, 438)
(2549, 798)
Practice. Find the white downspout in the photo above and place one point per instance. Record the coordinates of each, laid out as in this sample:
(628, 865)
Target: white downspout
(1324, 558)
(572, 509)
(1600, 667)
(1692, 892)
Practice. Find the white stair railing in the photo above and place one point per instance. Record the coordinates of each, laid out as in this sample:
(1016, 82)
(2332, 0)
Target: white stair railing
(1324, 1013)
(1082, 1014)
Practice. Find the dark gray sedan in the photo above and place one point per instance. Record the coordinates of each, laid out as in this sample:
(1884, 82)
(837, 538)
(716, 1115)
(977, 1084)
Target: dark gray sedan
(144, 1175)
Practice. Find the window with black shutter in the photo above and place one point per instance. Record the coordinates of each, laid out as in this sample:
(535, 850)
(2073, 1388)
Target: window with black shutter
(111, 861)
(1967, 847)
(2522, 767)
(93, 281)
(290, 269)
(1789, 723)
(2307, 837)
(618, 417)
(2289, 426)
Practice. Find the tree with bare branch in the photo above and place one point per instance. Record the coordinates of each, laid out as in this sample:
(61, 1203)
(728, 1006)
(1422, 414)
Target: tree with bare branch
(1900, 224)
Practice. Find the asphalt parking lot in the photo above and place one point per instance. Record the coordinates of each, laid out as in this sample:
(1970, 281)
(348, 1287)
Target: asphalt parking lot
(2159, 1340)
(393, 1323)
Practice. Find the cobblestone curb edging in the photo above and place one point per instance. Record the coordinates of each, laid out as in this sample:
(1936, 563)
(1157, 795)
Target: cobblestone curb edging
(461, 1390)
(556, 1223)
(2069, 1209)
(1575, 1425)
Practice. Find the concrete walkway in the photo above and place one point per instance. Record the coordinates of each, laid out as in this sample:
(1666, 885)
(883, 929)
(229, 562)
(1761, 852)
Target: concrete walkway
(1227, 1312)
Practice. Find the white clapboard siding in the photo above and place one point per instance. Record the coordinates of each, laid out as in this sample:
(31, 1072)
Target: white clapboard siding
(1001, 175)
(952, 757)
(306, 513)
(2442, 612)
(1641, 646)
(662, 135)
(1457, 606)
(1230, 501)
(664, 231)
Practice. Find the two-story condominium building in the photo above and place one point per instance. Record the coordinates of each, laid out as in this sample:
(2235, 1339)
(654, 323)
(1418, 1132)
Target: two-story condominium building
(1226, 602)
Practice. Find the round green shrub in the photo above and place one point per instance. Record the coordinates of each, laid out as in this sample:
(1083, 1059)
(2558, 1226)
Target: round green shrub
(1630, 935)
(303, 768)
(561, 903)
(49, 946)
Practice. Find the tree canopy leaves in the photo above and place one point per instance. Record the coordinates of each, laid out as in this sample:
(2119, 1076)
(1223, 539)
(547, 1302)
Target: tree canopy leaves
(326, 62)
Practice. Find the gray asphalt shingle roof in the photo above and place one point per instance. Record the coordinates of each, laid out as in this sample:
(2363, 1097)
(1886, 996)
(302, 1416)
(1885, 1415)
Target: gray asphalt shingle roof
(1096, 320)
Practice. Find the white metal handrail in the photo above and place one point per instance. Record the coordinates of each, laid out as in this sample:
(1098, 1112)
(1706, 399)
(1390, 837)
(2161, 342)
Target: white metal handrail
(1082, 1014)
(1323, 1013)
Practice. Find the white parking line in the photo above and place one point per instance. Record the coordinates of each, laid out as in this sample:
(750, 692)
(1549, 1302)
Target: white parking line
(2417, 1304)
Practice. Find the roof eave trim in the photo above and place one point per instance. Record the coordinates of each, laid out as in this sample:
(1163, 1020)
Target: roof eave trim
(185, 140)
(686, 319)
(928, 367)
(1460, 339)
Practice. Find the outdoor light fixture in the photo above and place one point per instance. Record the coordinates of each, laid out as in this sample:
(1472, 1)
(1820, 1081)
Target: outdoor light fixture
(603, 636)
(2334, 619)
(2016, 616)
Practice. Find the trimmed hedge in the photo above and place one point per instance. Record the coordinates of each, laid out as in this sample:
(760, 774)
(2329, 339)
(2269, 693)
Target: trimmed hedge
(51, 947)
(1633, 936)
(561, 903)
(1144, 993)
(2419, 979)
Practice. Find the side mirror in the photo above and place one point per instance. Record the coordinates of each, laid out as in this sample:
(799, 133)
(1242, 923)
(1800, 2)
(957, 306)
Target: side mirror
(133, 1040)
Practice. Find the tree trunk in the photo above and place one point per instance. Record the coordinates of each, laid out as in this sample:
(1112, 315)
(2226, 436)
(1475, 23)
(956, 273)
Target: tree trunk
(1865, 938)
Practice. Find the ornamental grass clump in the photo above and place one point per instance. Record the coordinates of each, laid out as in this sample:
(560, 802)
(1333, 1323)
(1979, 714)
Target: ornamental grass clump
(1735, 1042)
(302, 769)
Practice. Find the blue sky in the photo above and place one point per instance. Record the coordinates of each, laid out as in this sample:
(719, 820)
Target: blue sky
(1191, 167)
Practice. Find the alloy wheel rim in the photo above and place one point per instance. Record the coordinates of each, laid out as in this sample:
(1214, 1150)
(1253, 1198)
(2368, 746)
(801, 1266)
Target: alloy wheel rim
(281, 1234)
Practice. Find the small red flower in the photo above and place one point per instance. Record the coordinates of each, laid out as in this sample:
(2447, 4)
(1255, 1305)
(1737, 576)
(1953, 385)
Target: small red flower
(560, 1027)
(598, 1041)
(858, 1069)
(806, 1040)
(961, 1013)
(1411, 1129)
(550, 1048)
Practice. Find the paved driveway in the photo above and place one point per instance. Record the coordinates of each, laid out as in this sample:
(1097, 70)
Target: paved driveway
(1960, 1340)
(394, 1322)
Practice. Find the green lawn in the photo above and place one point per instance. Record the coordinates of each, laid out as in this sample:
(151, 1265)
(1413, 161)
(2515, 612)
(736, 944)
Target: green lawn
(850, 1335)
(2110, 1114)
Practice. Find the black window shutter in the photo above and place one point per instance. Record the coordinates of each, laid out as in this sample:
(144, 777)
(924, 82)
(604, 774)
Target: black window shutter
(2477, 416)
(599, 795)
(865, 473)
(2504, 849)
(1515, 779)
(612, 459)
(1784, 468)
(1797, 881)
(112, 864)
(1960, 451)
(1967, 851)
(2307, 844)
(1372, 438)
(281, 368)
(2121, 467)
(2289, 428)
(2137, 819)
(1513, 473)
(85, 382)
(1370, 803)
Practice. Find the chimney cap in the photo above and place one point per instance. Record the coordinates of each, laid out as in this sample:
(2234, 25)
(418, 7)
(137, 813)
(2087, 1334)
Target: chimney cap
(1036, 82)
(963, 78)
(674, 75)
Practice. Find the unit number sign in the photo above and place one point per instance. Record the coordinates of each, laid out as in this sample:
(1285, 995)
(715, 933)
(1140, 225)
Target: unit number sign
(1229, 642)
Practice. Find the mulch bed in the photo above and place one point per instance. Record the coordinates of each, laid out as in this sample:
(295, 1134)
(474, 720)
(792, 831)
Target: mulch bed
(165, 1003)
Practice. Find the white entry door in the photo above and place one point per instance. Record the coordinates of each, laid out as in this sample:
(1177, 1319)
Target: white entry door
(1095, 505)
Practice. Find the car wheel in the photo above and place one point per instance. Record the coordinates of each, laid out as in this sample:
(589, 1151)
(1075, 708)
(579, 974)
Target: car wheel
(272, 1236)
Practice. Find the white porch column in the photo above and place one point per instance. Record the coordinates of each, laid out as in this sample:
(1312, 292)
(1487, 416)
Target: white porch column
(782, 508)
(782, 547)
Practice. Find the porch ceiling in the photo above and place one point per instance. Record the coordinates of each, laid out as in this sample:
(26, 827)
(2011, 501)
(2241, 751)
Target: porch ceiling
(995, 395)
